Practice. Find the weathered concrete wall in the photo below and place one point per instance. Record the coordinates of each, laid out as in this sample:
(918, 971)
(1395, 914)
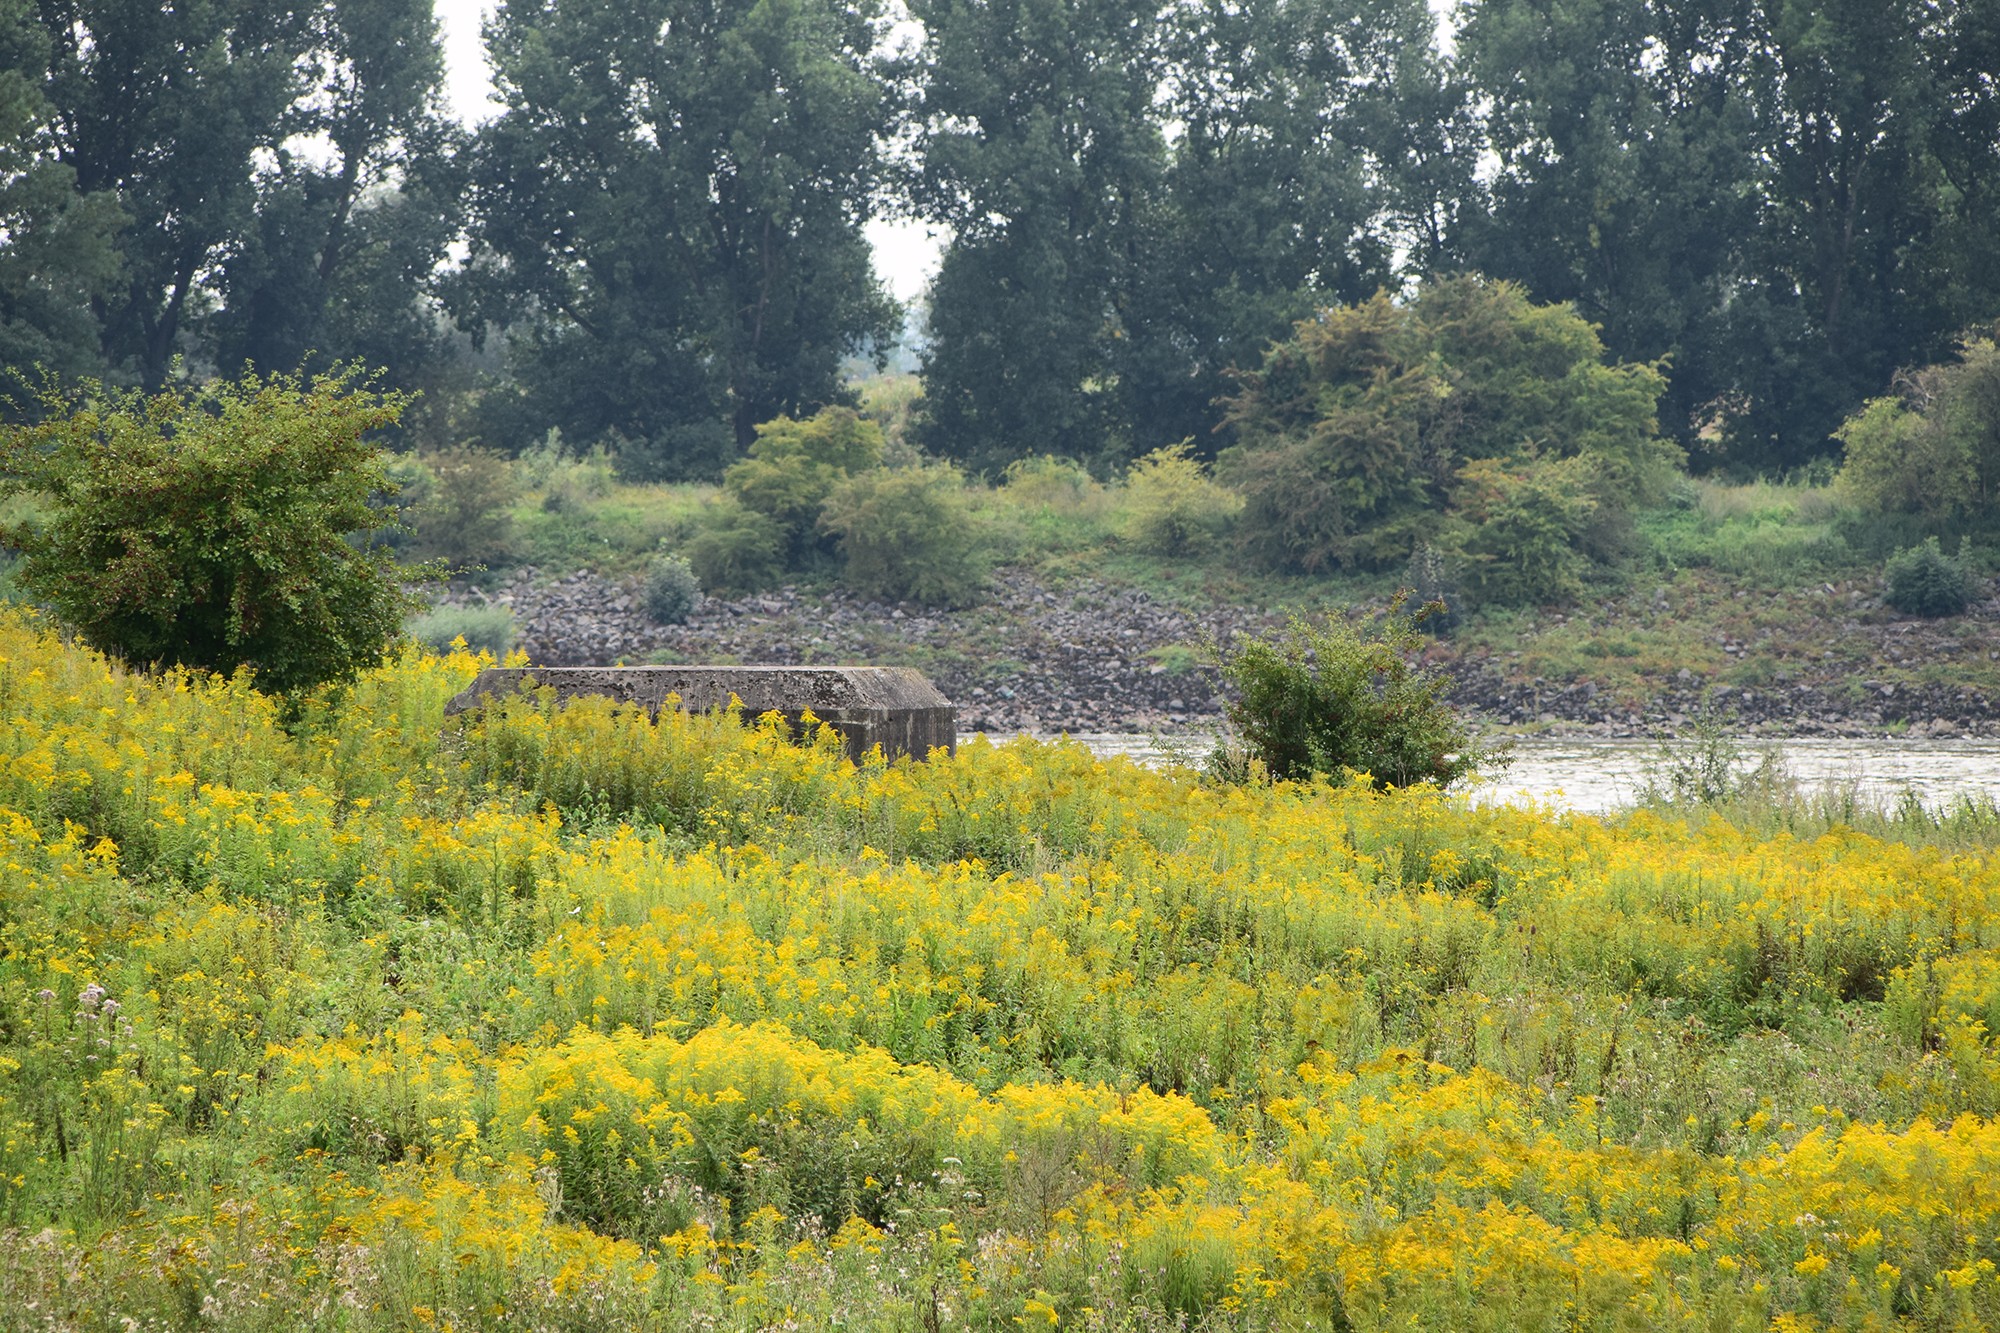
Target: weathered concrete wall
(893, 707)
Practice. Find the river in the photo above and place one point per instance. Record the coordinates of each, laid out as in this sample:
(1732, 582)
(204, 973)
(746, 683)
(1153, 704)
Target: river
(1599, 775)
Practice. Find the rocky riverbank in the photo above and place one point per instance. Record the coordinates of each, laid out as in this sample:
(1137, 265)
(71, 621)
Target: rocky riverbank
(1096, 657)
(1091, 659)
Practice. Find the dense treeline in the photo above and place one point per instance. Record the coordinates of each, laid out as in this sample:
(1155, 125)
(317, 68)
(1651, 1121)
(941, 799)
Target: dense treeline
(657, 242)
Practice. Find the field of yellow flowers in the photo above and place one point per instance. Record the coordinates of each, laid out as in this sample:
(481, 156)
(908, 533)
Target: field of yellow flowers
(564, 1020)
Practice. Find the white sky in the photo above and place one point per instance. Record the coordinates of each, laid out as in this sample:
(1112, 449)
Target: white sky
(906, 253)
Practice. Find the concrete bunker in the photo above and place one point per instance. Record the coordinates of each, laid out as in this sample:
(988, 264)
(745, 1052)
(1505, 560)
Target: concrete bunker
(893, 707)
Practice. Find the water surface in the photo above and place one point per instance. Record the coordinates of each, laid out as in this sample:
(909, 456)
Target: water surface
(1597, 775)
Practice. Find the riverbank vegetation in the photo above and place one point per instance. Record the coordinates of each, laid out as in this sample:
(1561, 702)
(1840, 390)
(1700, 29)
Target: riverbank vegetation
(1388, 312)
(1748, 585)
(563, 1019)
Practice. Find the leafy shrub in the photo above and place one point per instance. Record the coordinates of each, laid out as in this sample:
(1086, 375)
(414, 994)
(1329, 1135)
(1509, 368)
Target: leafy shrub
(1353, 434)
(1525, 521)
(1709, 767)
(908, 533)
(1172, 505)
(210, 528)
(1898, 463)
(574, 483)
(672, 591)
(1933, 449)
(406, 490)
(464, 519)
(1924, 581)
(687, 451)
(534, 465)
(1048, 505)
(485, 629)
(891, 402)
(794, 466)
(1322, 699)
(736, 549)
(1051, 483)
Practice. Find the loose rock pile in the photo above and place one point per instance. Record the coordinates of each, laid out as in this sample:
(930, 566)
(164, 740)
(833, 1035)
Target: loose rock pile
(1093, 657)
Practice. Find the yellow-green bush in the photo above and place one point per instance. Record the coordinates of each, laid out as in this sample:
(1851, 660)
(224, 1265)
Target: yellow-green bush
(1172, 506)
(908, 533)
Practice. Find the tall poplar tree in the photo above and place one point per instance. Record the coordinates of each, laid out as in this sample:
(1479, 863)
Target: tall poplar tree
(667, 217)
(1625, 138)
(1142, 195)
(169, 109)
(60, 251)
(354, 220)
(1876, 228)
(1788, 200)
(1041, 151)
(1277, 198)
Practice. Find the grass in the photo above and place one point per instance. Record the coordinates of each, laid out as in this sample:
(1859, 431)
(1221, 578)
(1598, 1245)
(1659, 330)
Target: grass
(614, 532)
(484, 629)
(1762, 533)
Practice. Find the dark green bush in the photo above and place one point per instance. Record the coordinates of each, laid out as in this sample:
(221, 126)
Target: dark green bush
(908, 533)
(1924, 581)
(215, 527)
(672, 590)
(736, 549)
(1321, 698)
(1355, 436)
(1932, 450)
(1523, 525)
(690, 451)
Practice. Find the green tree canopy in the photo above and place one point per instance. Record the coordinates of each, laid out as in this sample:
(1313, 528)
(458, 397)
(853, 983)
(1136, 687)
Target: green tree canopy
(348, 230)
(1625, 140)
(1784, 200)
(168, 108)
(1931, 450)
(1141, 197)
(795, 465)
(1040, 149)
(60, 252)
(1267, 206)
(229, 182)
(666, 218)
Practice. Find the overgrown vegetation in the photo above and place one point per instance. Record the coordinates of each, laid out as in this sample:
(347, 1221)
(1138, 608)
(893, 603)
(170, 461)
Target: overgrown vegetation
(574, 1019)
(1470, 419)
(671, 591)
(1173, 507)
(1931, 450)
(482, 629)
(908, 533)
